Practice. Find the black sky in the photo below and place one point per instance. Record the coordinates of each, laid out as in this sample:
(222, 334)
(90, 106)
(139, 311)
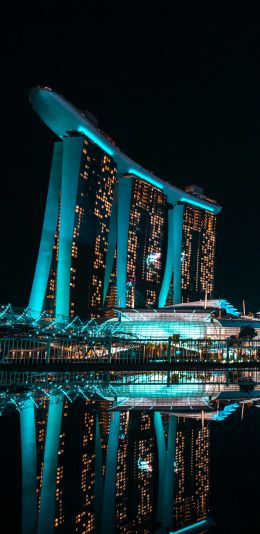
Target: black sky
(180, 96)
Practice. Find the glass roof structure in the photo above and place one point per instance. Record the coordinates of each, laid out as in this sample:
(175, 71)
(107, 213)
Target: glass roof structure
(188, 321)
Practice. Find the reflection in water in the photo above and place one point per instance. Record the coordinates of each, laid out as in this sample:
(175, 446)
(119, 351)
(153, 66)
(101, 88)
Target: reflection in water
(102, 471)
(117, 471)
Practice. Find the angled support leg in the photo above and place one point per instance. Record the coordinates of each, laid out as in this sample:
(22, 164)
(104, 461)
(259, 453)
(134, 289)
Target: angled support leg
(161, 448)
(173, 259)
(29, 468)
(50, 463)
(167, 509)
(72, 151)
(48, 233)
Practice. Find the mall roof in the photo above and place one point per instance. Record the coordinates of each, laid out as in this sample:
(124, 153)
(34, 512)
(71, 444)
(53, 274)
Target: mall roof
(187, 321)
(62, 117)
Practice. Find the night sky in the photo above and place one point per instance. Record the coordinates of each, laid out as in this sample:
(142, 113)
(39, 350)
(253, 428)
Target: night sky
(179, 95)
(183, 99)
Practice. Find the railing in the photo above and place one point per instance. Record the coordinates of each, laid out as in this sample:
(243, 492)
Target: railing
(110, 350)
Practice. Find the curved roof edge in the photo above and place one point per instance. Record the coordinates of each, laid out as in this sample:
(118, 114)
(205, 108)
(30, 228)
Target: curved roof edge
(61, 117)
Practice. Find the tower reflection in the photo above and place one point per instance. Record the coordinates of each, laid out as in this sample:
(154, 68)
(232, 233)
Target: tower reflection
(103, 469)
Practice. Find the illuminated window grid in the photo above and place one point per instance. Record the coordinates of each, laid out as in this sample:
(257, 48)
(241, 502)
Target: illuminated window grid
(202, 223)
(144, 449)
(191, 502)
(149, 199)
(85, 520)
(50, 298)
(105, 178)
(121, 477)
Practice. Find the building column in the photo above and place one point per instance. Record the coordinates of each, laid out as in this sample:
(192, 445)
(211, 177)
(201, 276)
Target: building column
(72, 151)
(29, 468)
(111, 244)
(109, 497)
(50, 463)
(98, 491)
(48, 232)
(124, 205)
(166, 459)
(168, 499)
(173, 259)
(161, 448)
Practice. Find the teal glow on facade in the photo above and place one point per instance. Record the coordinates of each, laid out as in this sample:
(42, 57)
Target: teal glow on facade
(147, 177)
(124, 204)
(50, 463)
(29, 468)
(48, 232)
(195, 527)
(108, 510)
(227, 410)
(81, 181)
(111, 244)
(169, 262)
(61, 117)
(96, 139)
(161, 448)
(70, 171)
(173, 258)
(198, 204)
(168, 496)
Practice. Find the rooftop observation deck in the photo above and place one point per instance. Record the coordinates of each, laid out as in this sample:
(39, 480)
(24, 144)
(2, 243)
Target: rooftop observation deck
(62, 117)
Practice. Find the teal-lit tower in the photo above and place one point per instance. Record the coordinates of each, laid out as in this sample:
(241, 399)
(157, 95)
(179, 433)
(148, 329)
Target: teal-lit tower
(92, 252)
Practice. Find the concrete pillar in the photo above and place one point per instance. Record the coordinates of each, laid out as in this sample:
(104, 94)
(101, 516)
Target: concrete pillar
(72, 151)
(173, 258)
(50, 463)
(48, 232)
(168, 498)
(124, 205)
(109, 497)
(161, 448)
(29, 468)
(166, 457)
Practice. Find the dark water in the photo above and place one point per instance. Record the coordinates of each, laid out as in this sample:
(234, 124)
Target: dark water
(109, 471)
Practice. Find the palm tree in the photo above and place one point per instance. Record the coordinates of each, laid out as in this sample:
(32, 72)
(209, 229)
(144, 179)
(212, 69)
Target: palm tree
(247, 332)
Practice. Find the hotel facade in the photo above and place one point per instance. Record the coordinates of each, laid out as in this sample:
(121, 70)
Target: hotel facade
(115, 235)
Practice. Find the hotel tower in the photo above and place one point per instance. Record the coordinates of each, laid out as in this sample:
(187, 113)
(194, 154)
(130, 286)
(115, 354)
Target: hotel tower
(114, 234)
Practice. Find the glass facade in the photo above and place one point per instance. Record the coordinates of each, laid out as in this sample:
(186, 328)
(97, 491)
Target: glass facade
(98, 174)
(77, 508)
(198, 251)
(136, 474)
(146, 245)
(146, 235)
(192, 473)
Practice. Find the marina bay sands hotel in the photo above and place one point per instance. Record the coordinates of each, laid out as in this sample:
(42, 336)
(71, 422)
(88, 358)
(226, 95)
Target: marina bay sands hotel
(114, 234)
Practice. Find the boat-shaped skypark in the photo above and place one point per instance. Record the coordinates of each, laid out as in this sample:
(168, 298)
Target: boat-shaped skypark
(113, 232)
(62, 117)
